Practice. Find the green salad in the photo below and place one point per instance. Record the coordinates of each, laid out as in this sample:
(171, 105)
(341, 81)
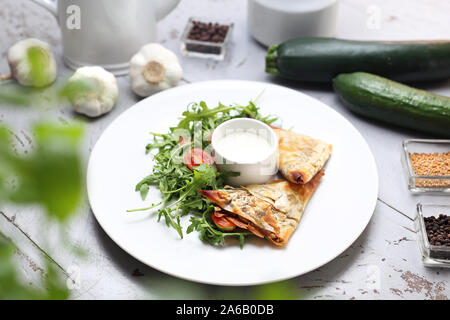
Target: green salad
(183, 166)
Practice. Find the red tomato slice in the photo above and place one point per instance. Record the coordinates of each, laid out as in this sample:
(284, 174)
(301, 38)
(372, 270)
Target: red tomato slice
(210, 137)
(195, 157)
(222, 223)
(185, 141)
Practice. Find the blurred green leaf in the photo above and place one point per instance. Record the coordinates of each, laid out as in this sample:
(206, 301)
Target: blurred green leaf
(52, 175)
(75, 88)
(14, 95)
(12, 288)
(56, 288)
(39, 62)
(284, 290)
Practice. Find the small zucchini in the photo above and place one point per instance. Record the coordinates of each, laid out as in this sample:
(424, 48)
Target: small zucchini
(389, 101)
(321, 59)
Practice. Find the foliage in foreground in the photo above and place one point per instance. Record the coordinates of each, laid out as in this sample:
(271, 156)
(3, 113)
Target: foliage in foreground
(50, 176)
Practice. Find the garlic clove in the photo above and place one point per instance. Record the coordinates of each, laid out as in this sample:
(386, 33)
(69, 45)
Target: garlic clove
(32, 63)
(101, 96)
(154, 68)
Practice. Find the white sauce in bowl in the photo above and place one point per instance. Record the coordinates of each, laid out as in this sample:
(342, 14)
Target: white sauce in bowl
(243, 147)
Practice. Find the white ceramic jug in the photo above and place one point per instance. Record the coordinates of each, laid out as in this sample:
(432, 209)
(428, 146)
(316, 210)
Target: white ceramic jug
(106, 33)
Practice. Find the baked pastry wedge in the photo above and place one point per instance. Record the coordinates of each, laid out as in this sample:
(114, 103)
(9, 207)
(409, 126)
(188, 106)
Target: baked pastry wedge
(300, 156)
(272, 210)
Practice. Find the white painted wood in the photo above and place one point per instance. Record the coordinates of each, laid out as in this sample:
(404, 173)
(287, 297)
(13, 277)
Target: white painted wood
(386, 252)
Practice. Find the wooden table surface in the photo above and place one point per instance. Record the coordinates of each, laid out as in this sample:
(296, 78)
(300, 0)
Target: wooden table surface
(384, 263)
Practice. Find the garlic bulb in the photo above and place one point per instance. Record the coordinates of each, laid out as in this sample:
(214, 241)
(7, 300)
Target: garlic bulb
(32, 63)
(101, 97)
(153, 69)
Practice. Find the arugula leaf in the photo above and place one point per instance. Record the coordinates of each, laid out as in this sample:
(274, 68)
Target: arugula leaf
(144, 190)
(210, 234)
(201, 111)
(204, 177)
(253, 112)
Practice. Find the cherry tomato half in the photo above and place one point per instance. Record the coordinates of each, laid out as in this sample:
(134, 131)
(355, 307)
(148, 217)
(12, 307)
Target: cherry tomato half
(195, 157)
(185, 141)
(222, 223)
(210, 136)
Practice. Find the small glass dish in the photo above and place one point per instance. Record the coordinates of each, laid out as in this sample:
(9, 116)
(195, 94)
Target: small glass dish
(425, 183)
(432, 256)
(205, 49)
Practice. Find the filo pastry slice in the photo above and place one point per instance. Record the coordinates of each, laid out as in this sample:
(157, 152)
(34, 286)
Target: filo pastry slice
(270, 210)
(300, 156)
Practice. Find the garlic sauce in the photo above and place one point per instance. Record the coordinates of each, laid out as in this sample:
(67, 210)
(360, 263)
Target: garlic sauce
(244, 146)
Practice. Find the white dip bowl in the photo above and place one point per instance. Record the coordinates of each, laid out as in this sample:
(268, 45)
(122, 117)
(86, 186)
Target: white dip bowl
(248, 147)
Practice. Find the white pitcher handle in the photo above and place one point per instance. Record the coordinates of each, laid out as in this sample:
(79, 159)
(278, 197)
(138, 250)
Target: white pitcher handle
(164, 7)
(50, 5)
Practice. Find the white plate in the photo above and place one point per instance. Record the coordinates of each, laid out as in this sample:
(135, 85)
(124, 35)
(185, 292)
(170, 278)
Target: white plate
(337, 214)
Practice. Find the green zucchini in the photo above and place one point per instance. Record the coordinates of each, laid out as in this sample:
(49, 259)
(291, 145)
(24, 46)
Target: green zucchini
(321, 59)
(389, 101)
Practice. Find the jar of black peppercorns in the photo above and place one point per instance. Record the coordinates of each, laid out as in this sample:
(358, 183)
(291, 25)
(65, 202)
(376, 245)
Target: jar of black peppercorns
(206, 39)
(433, 230)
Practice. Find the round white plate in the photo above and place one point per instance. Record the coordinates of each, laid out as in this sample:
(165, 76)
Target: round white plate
(337, 214)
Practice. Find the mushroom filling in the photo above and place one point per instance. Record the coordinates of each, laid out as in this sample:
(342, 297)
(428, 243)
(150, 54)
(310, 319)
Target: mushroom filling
(245, 224)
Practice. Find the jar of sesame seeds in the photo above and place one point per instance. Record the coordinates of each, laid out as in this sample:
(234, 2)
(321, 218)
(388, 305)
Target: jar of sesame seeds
(427, 165)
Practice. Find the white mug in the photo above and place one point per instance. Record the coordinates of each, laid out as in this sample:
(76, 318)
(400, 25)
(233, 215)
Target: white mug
(106, 33)
(274, 21)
